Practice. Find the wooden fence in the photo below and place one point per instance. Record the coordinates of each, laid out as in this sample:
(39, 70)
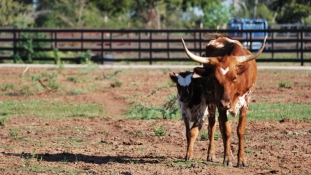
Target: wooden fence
(106, 46)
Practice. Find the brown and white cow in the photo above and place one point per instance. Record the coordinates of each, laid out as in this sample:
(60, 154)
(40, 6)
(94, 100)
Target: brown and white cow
(193, 99)
(234, 72)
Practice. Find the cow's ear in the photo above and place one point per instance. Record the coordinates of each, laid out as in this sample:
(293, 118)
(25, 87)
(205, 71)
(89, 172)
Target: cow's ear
(198, 72)
(173, 76)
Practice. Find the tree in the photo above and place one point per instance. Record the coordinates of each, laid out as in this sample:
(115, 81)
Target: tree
(215, 14)
(264, 12)
(113, 8)
(15, 13)
(69, 13)
(291, 11)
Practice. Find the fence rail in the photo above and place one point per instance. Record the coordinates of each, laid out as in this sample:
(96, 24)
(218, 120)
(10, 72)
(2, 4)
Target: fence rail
(108, 46)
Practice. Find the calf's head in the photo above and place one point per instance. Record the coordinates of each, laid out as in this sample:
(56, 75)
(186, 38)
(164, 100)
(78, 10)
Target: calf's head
(229, 71)
(185, 83)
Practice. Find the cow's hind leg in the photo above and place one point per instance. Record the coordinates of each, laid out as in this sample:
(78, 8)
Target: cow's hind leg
(225, 129)
(211, 132)
(241, 134)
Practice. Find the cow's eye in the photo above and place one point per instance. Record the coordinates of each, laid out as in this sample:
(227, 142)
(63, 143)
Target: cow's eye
(234, 80)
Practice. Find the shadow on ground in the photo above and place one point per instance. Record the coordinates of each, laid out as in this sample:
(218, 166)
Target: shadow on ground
(69, 157)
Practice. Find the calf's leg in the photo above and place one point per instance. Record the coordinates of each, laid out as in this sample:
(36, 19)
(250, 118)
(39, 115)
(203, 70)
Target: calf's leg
(192, 134)
(188, 139)
(211, 132)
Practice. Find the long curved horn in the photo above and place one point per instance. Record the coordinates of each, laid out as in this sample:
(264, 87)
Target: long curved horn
(202, 60)
(245, 58)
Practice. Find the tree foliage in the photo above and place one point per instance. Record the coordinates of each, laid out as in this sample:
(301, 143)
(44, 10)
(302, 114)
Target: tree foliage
(113, 8)
(13, 13)
(291, 11)
(215, 14)
(68, 13)
(275, 11)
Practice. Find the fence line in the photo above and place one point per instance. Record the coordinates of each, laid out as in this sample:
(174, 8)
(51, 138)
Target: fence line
(108, 46)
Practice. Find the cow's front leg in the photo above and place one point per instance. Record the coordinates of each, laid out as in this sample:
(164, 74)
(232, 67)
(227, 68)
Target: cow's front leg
(211, 132)
(225, 129)
(241, 134)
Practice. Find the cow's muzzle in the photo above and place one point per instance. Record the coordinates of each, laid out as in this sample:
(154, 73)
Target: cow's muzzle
(225, 104)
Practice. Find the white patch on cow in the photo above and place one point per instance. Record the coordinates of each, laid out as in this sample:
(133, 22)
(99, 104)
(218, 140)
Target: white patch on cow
(243, 101)
(216, 44)
(234, 41)
(224, 71)
(184, 81)
(230, 40)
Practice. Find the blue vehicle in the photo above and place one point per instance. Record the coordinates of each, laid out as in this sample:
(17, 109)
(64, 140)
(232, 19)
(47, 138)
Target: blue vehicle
(248, 24)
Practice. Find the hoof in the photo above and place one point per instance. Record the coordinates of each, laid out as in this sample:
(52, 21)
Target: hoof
(242, 165)
(227, 163)
(188, 159)
(211, 159)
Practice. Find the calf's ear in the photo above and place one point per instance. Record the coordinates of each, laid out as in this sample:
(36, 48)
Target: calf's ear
(173, 77)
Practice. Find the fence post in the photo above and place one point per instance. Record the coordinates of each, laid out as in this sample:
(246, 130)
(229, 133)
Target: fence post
(102, 47)
(297, 44)
(14, 43)
(301, 46)
(200, 33)
(195, 40)
(251, 40)
(272, 44)
(168, 44)
(150, 49)
(55, 38)
(139, 45)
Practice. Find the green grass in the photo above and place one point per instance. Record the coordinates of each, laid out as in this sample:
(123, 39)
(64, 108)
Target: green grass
(160, 131)
(50, 109)
(285, 85)
(258, 111)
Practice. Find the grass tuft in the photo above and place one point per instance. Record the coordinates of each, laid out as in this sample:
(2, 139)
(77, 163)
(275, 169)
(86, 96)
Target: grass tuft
(285, 85)
(160, 131)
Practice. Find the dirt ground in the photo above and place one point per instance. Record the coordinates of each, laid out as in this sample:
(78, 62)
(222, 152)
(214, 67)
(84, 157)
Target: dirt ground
(113, 144)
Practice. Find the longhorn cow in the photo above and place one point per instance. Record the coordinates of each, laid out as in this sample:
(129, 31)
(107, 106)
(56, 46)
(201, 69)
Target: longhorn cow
(233, 70)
